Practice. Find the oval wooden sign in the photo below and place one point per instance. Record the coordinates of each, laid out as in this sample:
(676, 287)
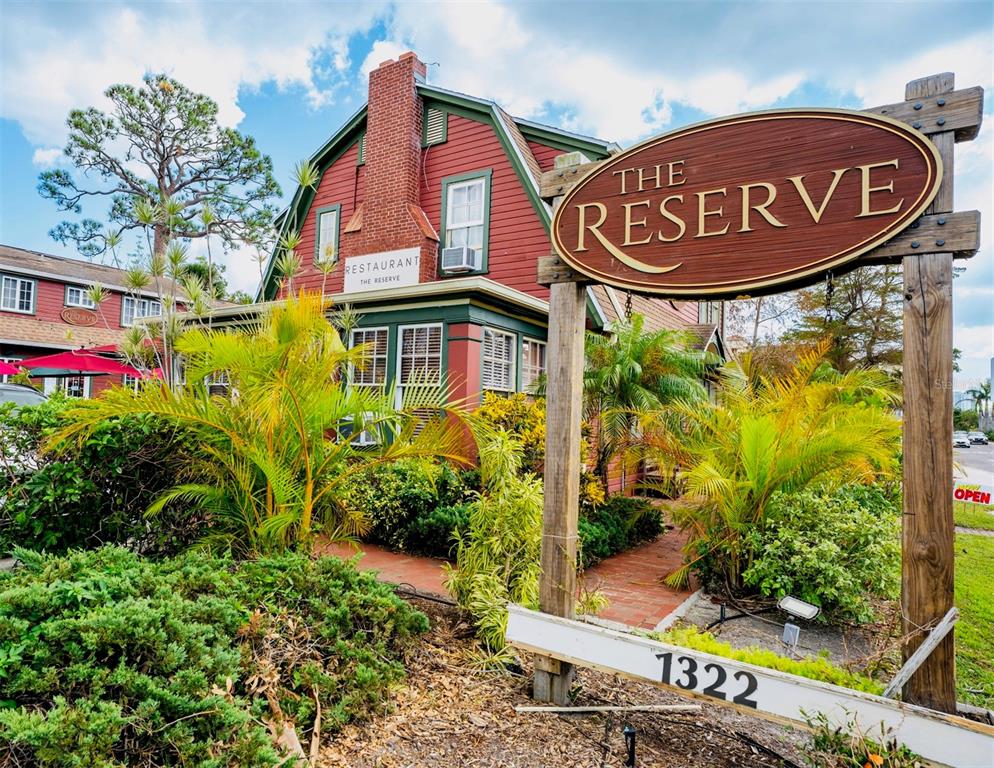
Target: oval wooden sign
(747, 204)
(79, 316)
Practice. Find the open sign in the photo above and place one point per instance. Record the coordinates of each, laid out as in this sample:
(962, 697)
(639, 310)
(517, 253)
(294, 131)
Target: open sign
(974, 494)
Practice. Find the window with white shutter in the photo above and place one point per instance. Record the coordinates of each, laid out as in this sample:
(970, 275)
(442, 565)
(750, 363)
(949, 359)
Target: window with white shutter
(532, 363)
(498, 360)
(373, 372)
(419, 358)
(132, 308)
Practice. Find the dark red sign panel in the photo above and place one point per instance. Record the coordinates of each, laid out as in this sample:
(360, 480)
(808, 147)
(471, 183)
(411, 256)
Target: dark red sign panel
(744, 205)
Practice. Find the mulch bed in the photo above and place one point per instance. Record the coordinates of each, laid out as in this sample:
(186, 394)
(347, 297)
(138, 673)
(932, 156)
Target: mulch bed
(450, 714)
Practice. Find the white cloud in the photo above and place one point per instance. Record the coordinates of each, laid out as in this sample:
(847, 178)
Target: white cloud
(46, 157)
(53, 64)
(532, 71)
(969, 58)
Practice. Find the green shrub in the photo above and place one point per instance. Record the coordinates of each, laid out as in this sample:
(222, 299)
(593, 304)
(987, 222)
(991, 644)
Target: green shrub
(819, 668)
(434, 534)
(834, 549)
(396, 495)
(93, 492)
(852, 746)
(620, 523)
(109, 659)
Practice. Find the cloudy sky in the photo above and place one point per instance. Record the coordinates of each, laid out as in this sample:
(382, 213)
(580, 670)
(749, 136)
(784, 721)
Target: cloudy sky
(289, 73)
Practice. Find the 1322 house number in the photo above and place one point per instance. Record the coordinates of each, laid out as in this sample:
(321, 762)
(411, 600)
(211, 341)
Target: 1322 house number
(711, 679)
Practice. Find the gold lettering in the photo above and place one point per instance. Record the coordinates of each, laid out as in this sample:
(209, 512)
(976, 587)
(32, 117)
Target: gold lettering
(670, 216)
(642, 178)
(867, 190)
(760, 208)
(674, 172)
(629, 223)
(610, 247)
(582, 223)
(622, 172)
(702, 214)
(816, 213)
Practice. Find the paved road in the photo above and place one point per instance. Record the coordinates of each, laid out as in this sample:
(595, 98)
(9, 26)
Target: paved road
(976, 462)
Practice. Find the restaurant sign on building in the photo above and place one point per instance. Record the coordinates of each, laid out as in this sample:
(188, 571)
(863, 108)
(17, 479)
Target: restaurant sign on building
(392, 269)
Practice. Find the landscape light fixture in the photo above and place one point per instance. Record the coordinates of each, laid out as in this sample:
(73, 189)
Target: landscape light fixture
(798, 608)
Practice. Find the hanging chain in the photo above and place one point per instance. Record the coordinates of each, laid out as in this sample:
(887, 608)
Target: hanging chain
(628, 305)
(829, 291)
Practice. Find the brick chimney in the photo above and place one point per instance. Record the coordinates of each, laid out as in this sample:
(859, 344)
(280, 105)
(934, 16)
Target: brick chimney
(392, 217)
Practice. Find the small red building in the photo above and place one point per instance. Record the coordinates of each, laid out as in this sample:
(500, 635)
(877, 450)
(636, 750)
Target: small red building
(45, 308)
(429, 217)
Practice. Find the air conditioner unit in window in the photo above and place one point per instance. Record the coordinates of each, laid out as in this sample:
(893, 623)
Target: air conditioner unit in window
(460, 259)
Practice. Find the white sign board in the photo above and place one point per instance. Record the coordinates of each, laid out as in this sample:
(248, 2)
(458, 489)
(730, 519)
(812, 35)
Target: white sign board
(973, 493)
(390, 269)
(943, 739)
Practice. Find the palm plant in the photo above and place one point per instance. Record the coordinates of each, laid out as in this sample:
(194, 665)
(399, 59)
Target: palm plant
(275, 455)
(812, 426)
(631, 372)
(981, 396)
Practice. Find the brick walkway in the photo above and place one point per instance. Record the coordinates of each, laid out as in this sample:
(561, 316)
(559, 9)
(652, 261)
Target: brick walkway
(632, 581)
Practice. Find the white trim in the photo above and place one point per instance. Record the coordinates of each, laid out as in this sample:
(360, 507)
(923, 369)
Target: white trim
(434, 288)
(601, 317)
(517, 151)
(136, 317)
(19, 279)
(524, 362)
(82, 292)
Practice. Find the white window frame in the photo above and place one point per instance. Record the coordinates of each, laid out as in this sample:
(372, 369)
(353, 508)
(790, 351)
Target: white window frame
(53, 384)
(335, 211)
(367, 438)
(527, 384)
(133, 384)
(6, 377)
(399, 388)
(19, 282)
(385, 357)
(480, 181)
(140, 302)
(511, 364)
(84, 301)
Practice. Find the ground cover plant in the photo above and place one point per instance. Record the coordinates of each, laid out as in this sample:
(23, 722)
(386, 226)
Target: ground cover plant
(94, 491)
(819, 668)
(274, 460)
(974, 635)
(110, 659)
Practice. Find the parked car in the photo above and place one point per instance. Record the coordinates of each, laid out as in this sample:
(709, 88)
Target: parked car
(978, 438)
(961, 440)
(21, 394)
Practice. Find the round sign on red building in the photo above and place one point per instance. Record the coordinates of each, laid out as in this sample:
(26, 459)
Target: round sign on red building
(748, 204)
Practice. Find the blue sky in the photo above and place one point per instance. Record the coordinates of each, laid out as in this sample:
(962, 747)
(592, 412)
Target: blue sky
(289, 74)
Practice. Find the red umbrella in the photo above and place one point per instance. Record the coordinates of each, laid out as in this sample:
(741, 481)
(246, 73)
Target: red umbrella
(75, 362)
(6, 369)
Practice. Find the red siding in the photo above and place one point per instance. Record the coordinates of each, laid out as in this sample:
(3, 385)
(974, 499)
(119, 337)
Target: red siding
(50, 300)
(545, 155)
(517, 236)
(342, 183)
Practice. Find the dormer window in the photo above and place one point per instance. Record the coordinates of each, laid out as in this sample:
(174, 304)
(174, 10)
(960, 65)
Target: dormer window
(466, 221)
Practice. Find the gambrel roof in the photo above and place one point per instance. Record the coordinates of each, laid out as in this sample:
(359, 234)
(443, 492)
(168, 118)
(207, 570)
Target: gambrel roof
(512, 133)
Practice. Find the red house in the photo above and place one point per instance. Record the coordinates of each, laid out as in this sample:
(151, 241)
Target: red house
(428, 217)
(45, 308)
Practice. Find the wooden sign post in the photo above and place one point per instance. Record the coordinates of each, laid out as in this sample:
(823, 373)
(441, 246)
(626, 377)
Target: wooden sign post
(751, 205)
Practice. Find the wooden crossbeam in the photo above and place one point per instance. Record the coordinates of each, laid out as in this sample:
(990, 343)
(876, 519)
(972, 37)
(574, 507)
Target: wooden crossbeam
(959, 111)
